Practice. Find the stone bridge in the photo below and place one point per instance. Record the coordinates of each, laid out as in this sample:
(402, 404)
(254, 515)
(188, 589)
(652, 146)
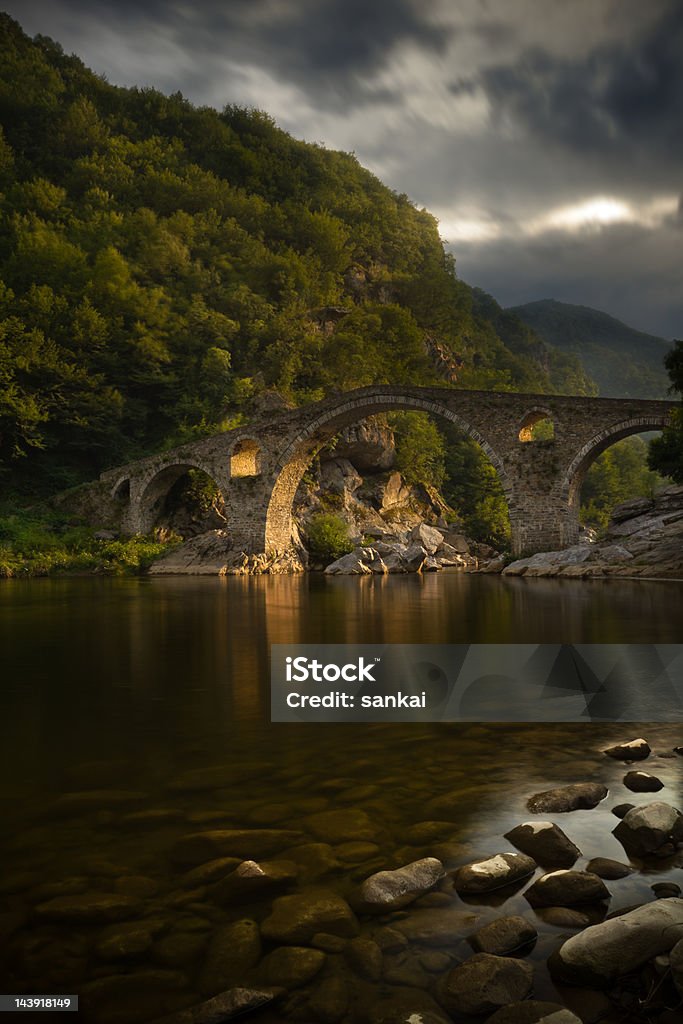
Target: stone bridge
(258, 467)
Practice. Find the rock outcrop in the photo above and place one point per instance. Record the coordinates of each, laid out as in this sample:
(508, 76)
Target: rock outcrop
(644, 539)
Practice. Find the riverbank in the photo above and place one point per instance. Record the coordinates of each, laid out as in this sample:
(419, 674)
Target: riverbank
(39, 543)
(644, 540)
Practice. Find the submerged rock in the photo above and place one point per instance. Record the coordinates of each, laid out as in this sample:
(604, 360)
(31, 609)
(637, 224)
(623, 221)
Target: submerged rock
(342, 826)
(487, 875)
(427, 928)
(566, 888)
(619, 945)
(212, 871)
(330, 1000)
(531, 1011)
(578, 796)
(200, 847)
(296, 919)
(406, 1005)
(121, 942)
(603, 867)
(252, 878)
(225, 1006)
(390, 890)
(88, 908)
(545, 842)
(365, 957)
(485, 983)
(568, 917)
(291, 966)
(94, 800)
(504, 936)
(233, 949)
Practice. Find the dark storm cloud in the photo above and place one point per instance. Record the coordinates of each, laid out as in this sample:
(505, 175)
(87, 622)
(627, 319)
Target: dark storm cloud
(499, 116)
(627, 271)
(611, 102)
(331, 49)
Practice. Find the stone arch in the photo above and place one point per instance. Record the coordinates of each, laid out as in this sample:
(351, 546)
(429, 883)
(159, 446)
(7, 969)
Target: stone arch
(155, 488)
(536, 414)
(295, 459)
(121, 489)
(245, 457)
(575, 473)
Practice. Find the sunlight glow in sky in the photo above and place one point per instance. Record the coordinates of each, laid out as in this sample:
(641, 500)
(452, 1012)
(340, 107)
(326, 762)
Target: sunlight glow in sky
(593, 214)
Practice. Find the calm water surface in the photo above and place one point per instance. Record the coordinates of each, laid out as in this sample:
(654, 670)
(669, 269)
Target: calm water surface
(150, 699)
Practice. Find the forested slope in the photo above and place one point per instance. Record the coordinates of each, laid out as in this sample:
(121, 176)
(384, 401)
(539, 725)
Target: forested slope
(624, 363)
(161, 266)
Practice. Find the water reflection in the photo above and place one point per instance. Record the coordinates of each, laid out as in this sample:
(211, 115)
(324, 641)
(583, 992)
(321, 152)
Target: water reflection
(145, 668)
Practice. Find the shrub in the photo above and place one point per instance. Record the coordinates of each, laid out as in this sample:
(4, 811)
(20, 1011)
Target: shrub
(328, 537)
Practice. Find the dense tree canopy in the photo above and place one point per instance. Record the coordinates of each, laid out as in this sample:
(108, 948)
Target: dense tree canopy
(163, 265)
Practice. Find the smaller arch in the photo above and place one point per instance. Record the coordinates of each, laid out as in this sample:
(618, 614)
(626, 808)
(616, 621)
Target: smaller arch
(534, 418)
(157, 487)
(245, 458)
(121, 489)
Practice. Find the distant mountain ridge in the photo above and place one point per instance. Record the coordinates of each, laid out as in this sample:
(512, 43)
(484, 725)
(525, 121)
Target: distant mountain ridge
(624, 362)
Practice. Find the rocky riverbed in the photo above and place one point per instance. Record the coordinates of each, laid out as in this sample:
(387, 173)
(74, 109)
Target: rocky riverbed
(308, 887)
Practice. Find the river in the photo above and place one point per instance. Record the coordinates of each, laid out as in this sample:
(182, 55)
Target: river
(149, 700)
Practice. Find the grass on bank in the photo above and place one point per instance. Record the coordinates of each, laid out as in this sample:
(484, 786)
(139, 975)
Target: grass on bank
(38, 543)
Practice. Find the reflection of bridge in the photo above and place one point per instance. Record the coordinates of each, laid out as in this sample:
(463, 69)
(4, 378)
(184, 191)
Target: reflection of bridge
(258, 467)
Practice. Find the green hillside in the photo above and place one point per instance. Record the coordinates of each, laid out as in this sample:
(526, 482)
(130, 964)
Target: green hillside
(162, 265)
(624, 363)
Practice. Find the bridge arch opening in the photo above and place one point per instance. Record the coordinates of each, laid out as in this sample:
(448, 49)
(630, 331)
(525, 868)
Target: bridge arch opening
(575, 476)
(298, 456)
(121, 489)
(619, 474)
(245, 458)
(182, 499)
(536, 425)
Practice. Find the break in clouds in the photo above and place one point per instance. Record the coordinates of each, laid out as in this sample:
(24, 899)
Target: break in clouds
(544, 134)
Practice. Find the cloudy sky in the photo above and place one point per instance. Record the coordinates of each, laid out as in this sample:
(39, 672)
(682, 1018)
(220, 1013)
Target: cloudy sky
(546, 135)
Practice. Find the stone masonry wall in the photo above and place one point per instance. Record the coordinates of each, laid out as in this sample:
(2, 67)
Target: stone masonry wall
(541, 479)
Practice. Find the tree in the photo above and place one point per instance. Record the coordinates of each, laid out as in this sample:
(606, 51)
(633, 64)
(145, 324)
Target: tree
(420, 448)
(617, 474)
(666, 452)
